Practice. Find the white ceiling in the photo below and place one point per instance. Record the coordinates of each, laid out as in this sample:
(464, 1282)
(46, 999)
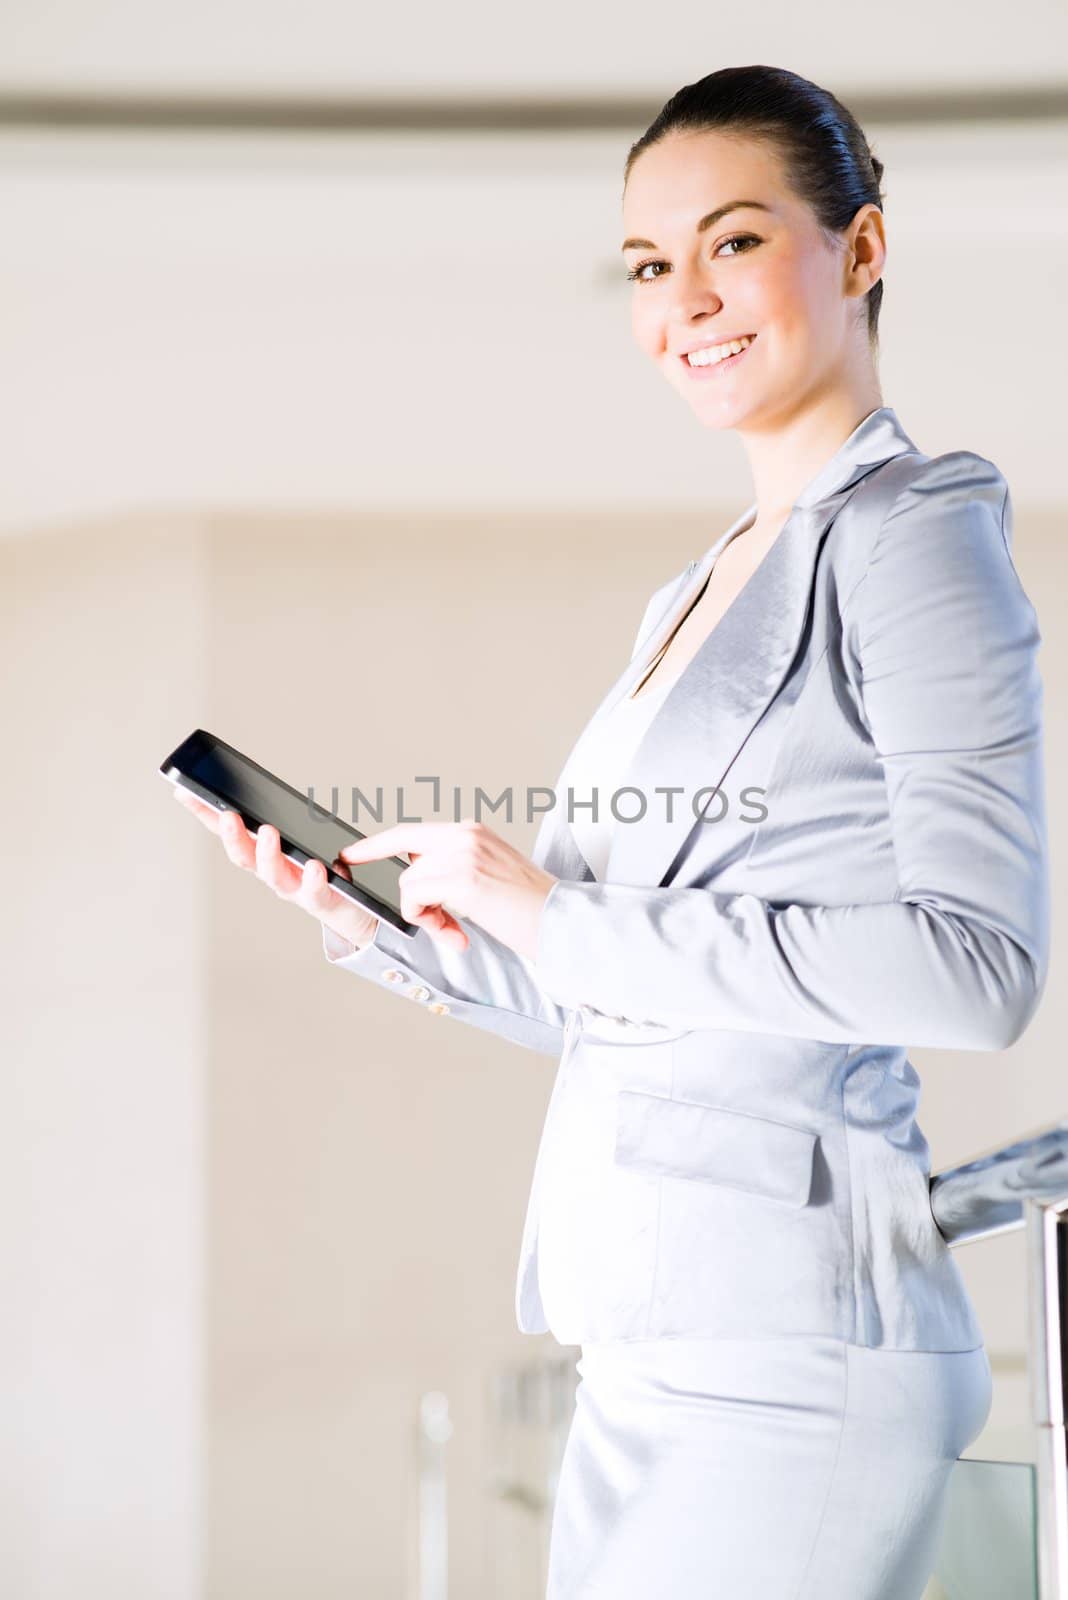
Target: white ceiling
(440, 321)
(553, 47)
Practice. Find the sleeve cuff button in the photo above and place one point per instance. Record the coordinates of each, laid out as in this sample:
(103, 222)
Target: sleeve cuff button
(439, 1008)
(392, 975)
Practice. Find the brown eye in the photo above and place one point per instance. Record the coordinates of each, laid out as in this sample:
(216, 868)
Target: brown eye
(748, 239)
(634, 275)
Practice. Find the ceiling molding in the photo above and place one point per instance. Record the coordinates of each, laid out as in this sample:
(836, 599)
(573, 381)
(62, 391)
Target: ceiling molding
(244, 114)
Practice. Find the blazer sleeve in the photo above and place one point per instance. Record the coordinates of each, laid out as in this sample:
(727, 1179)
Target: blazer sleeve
(488, 985)
(944, 642)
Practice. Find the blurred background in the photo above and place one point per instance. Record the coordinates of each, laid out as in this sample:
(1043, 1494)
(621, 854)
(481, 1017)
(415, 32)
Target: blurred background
(319, 418)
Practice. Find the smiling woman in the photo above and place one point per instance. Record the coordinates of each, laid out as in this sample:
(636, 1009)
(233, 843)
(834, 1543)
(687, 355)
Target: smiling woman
(724, 1444)
(730, 1208)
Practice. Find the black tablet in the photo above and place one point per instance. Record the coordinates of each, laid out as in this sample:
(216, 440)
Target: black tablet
(230, 781)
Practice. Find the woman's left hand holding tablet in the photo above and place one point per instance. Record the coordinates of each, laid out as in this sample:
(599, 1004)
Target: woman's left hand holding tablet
(310, 888)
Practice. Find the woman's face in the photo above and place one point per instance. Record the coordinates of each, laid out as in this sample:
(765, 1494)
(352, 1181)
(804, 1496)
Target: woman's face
(767, 272)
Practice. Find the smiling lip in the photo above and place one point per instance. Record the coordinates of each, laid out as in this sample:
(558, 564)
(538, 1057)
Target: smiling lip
(705, 373)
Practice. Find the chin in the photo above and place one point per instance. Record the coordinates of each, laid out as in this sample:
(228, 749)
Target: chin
(722, 411)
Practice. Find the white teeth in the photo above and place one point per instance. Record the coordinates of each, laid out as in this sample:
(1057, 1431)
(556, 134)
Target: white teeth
(717, 353)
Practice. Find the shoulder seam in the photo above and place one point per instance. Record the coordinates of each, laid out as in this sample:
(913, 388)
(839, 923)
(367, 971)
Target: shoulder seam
(885, 518)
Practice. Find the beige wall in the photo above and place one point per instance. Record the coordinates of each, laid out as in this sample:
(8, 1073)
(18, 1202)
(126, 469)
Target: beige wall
(255, 1206)
(103, 1204)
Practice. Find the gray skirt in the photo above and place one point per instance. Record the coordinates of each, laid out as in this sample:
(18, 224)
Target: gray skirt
(803, 1468)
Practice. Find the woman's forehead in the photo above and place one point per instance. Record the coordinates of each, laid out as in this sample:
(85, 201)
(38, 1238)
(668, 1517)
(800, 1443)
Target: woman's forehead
(698, 173)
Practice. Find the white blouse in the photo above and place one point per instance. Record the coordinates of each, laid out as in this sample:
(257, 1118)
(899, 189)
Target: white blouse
(600, 761)
(598, 766)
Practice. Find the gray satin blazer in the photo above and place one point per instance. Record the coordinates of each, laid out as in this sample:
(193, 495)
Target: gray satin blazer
(855, 863)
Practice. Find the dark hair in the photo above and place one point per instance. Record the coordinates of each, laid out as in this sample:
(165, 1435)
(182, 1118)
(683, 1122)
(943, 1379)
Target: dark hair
(824, 150)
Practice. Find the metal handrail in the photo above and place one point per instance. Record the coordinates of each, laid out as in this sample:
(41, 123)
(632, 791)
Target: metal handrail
(1025, 1185)
(988, 1195)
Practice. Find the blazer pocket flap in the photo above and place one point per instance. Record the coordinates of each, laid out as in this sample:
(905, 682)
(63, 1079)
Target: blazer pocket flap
(683, 1139)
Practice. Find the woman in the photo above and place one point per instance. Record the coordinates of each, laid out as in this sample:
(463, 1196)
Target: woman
(730, 1210)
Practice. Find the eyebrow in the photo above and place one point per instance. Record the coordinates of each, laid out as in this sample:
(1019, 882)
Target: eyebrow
(705, 222)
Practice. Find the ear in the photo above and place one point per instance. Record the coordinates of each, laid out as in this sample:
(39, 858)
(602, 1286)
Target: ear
(865, 255)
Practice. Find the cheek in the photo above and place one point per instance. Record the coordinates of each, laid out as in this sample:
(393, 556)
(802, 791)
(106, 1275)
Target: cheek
(801, 289)
(646, 324)
(771, 293)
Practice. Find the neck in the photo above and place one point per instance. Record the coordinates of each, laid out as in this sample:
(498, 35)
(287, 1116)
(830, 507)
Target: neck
(786, 454)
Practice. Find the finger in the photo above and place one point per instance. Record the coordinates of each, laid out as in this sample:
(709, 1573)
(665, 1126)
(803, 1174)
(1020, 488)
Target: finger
(318, 896)
(443, 928)
(276, 870)
(391, 841)
(315, 892)
(425, 884)
(423, 902)
(237, 841)
(198, 807)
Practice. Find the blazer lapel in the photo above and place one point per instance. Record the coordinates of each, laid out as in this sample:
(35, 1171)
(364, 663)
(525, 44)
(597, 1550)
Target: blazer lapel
(725, 689)
(555, 847)
(709, 713)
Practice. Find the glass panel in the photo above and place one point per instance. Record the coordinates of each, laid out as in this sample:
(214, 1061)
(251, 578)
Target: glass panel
(988, 1549)
(530, 1413)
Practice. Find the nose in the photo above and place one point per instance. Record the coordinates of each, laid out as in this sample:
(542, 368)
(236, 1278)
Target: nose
(692, 293)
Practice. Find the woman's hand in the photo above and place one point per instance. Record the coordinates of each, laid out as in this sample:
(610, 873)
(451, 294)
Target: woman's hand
(308, 888)
(471, 869)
